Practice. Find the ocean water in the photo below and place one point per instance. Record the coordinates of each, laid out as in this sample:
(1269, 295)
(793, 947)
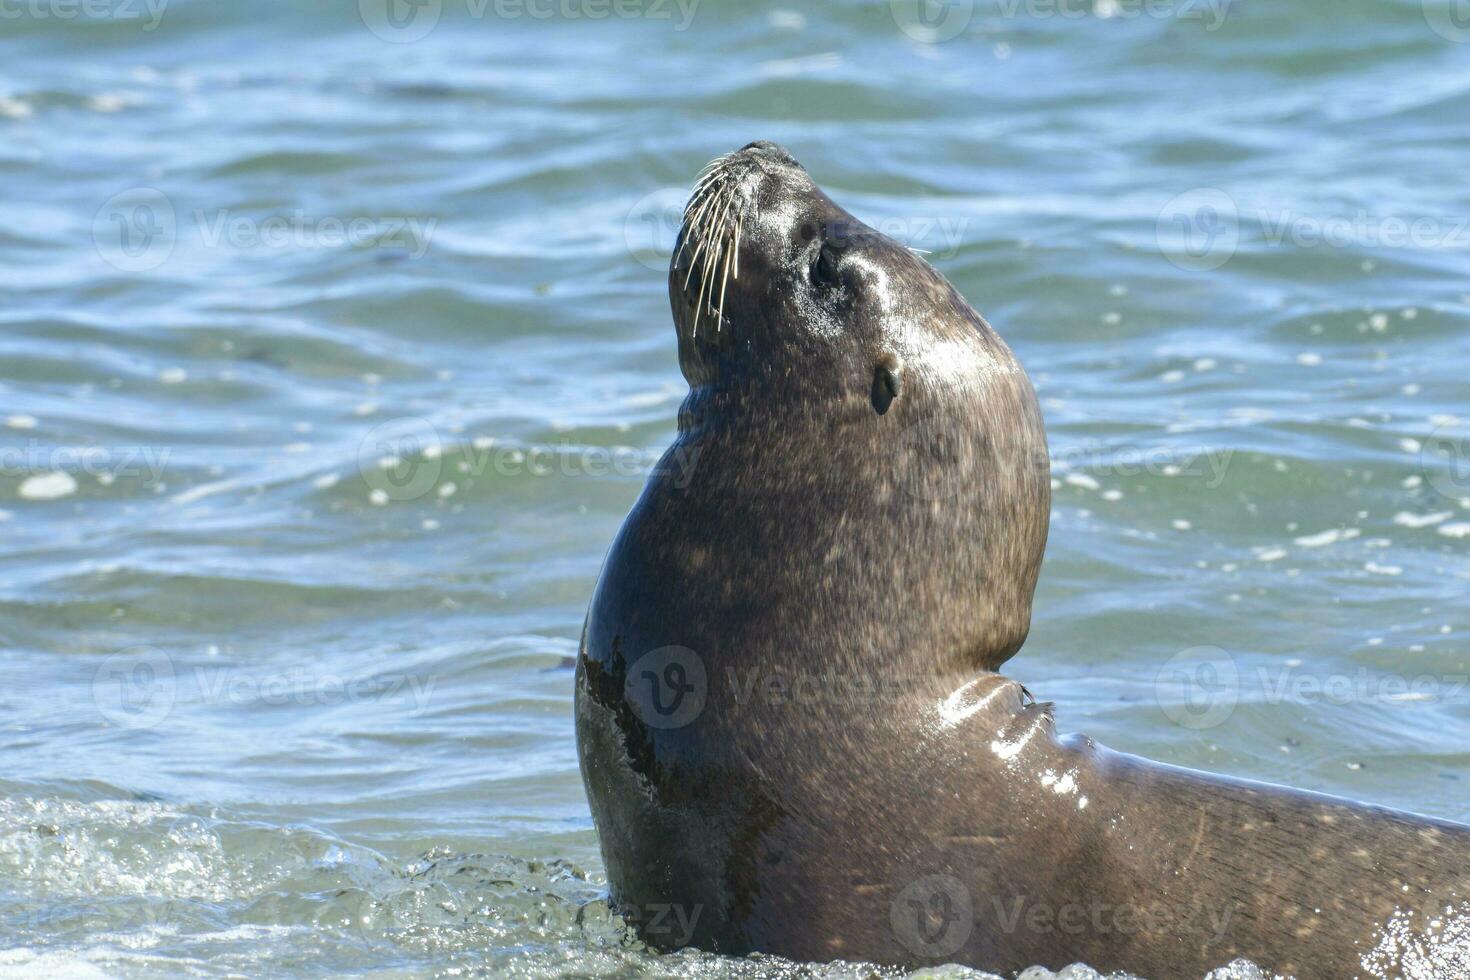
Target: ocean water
(334, 345)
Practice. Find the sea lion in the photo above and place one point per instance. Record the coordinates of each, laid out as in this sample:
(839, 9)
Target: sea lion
(789, 718)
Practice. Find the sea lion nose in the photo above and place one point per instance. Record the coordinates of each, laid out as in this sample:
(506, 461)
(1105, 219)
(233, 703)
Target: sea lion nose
(769, 152)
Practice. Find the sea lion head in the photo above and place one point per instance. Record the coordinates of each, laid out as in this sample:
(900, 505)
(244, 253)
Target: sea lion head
(876, 397)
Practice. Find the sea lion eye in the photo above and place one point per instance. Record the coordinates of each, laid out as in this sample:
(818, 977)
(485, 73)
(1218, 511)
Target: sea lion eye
(887, 382)
(825, 274)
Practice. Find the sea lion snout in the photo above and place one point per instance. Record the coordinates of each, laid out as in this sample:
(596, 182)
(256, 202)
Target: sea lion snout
(765, 258)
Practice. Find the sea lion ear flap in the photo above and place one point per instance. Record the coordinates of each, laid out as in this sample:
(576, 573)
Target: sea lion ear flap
(887, 382)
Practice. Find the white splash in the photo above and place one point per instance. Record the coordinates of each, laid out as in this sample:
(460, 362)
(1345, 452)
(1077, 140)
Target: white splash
(48, 486)
(203, 490)
(1405, 519)
(955, 709)
(1439, 948)
(1325, 538)
(1006, 751)
(1064, 785)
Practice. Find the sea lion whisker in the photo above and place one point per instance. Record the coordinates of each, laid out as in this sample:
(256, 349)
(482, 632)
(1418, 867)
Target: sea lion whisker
(702, 228)
(693, 215)
(712, 166)
(724, 284)
(691, 225)
(719, 223)
(708, 178)
(700, 196)
(711, 261)
(694, 260)
(712, 258)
